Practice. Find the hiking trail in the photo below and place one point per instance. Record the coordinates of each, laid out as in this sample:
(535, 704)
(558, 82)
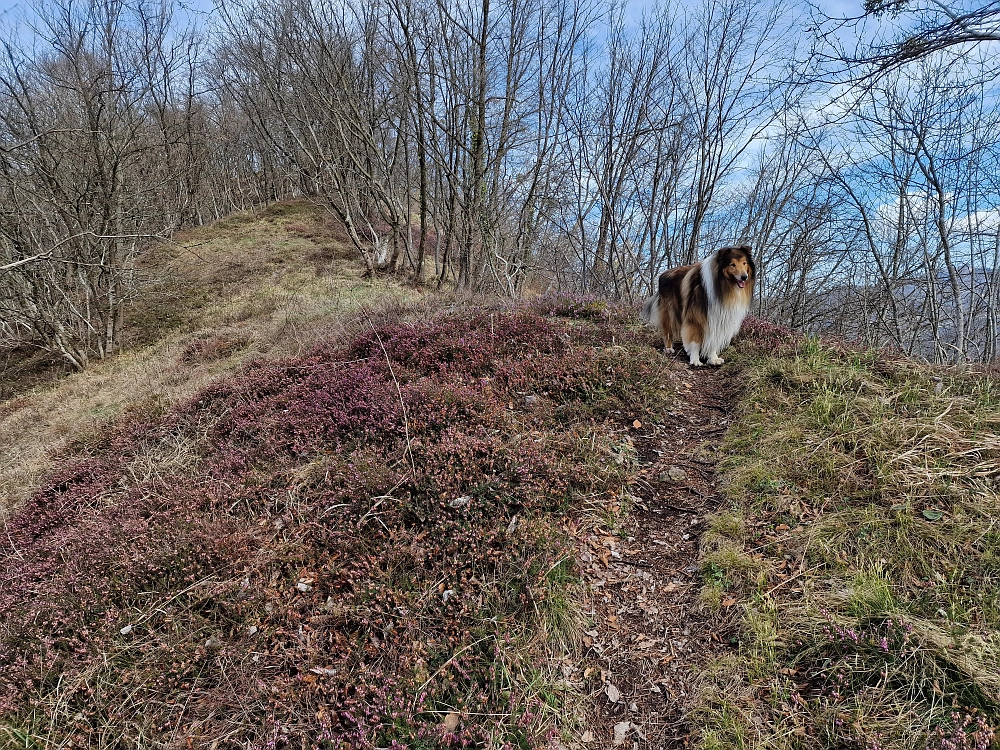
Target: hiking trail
(651, 635)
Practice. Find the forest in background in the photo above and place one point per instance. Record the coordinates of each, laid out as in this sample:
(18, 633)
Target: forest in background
(516, 146)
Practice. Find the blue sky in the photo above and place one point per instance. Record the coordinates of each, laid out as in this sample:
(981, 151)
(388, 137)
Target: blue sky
(11, 8)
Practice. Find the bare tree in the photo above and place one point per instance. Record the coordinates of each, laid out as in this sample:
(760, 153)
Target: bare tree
(908, 31)
(102, 156)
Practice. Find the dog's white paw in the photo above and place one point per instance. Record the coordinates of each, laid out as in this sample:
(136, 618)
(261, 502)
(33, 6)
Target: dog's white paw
(696, 363)
(668, 352)
(716, 361)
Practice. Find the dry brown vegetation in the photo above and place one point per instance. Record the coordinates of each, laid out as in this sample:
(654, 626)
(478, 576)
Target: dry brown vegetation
(367, 545)
(266, 284)
(859, 546)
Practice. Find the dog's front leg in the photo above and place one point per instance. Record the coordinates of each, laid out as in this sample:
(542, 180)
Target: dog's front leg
(694, 353)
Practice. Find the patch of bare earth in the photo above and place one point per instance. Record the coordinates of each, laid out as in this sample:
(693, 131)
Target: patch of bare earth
(650, 636)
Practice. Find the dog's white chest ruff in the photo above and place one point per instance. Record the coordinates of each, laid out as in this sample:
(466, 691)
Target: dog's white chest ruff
(724, 323)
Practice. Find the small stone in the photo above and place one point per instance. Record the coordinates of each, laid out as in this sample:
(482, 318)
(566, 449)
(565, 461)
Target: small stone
(459, 502)
(451, 722)
(621, 730)
(675, 474)
(126, 630)
(614, 695)
(588, 736)
(531, 400)
(252, 630)
(303, 587)
(213, 643)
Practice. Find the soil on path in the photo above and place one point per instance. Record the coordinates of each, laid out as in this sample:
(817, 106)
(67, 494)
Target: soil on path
(651, 636)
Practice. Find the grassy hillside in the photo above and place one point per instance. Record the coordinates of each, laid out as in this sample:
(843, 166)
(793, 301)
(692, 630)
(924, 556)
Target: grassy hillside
(251, 286)
(862, 546)
(305, 509)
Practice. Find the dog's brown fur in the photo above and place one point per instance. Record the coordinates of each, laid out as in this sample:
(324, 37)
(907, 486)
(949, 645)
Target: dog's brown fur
(703, 305)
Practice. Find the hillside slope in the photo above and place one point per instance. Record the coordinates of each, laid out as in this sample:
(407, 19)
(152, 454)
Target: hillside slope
(250, 286)
(311, 510)
(860, 547)
(351, 546)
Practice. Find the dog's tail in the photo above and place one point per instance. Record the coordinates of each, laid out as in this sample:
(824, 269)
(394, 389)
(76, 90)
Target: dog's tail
(649, 310)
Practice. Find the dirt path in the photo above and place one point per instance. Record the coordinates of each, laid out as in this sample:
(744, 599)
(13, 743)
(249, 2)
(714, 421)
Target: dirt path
(651, 636)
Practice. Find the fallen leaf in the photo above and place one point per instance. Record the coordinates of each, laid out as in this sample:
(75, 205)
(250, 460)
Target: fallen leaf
(781, 527)
(587, 736)
(728, 601)
(614, 695)
(451, 722)
(932, 515)
(637, 424)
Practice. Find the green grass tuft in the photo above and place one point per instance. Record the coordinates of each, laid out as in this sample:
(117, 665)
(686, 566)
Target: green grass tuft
(862, 546)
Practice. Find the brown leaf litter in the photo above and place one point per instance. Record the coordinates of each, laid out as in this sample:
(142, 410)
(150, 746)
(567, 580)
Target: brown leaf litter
(651, 636)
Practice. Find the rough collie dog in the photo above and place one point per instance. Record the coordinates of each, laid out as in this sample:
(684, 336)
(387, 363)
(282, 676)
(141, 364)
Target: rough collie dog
(703, 305)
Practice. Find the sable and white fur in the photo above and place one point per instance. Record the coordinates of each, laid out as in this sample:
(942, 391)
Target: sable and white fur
(703, 305)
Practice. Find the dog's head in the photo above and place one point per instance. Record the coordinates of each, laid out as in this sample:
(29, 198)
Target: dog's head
(735, 265)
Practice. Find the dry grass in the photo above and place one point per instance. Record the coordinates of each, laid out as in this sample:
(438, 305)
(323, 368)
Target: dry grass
(863, 545)
(247, 287)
